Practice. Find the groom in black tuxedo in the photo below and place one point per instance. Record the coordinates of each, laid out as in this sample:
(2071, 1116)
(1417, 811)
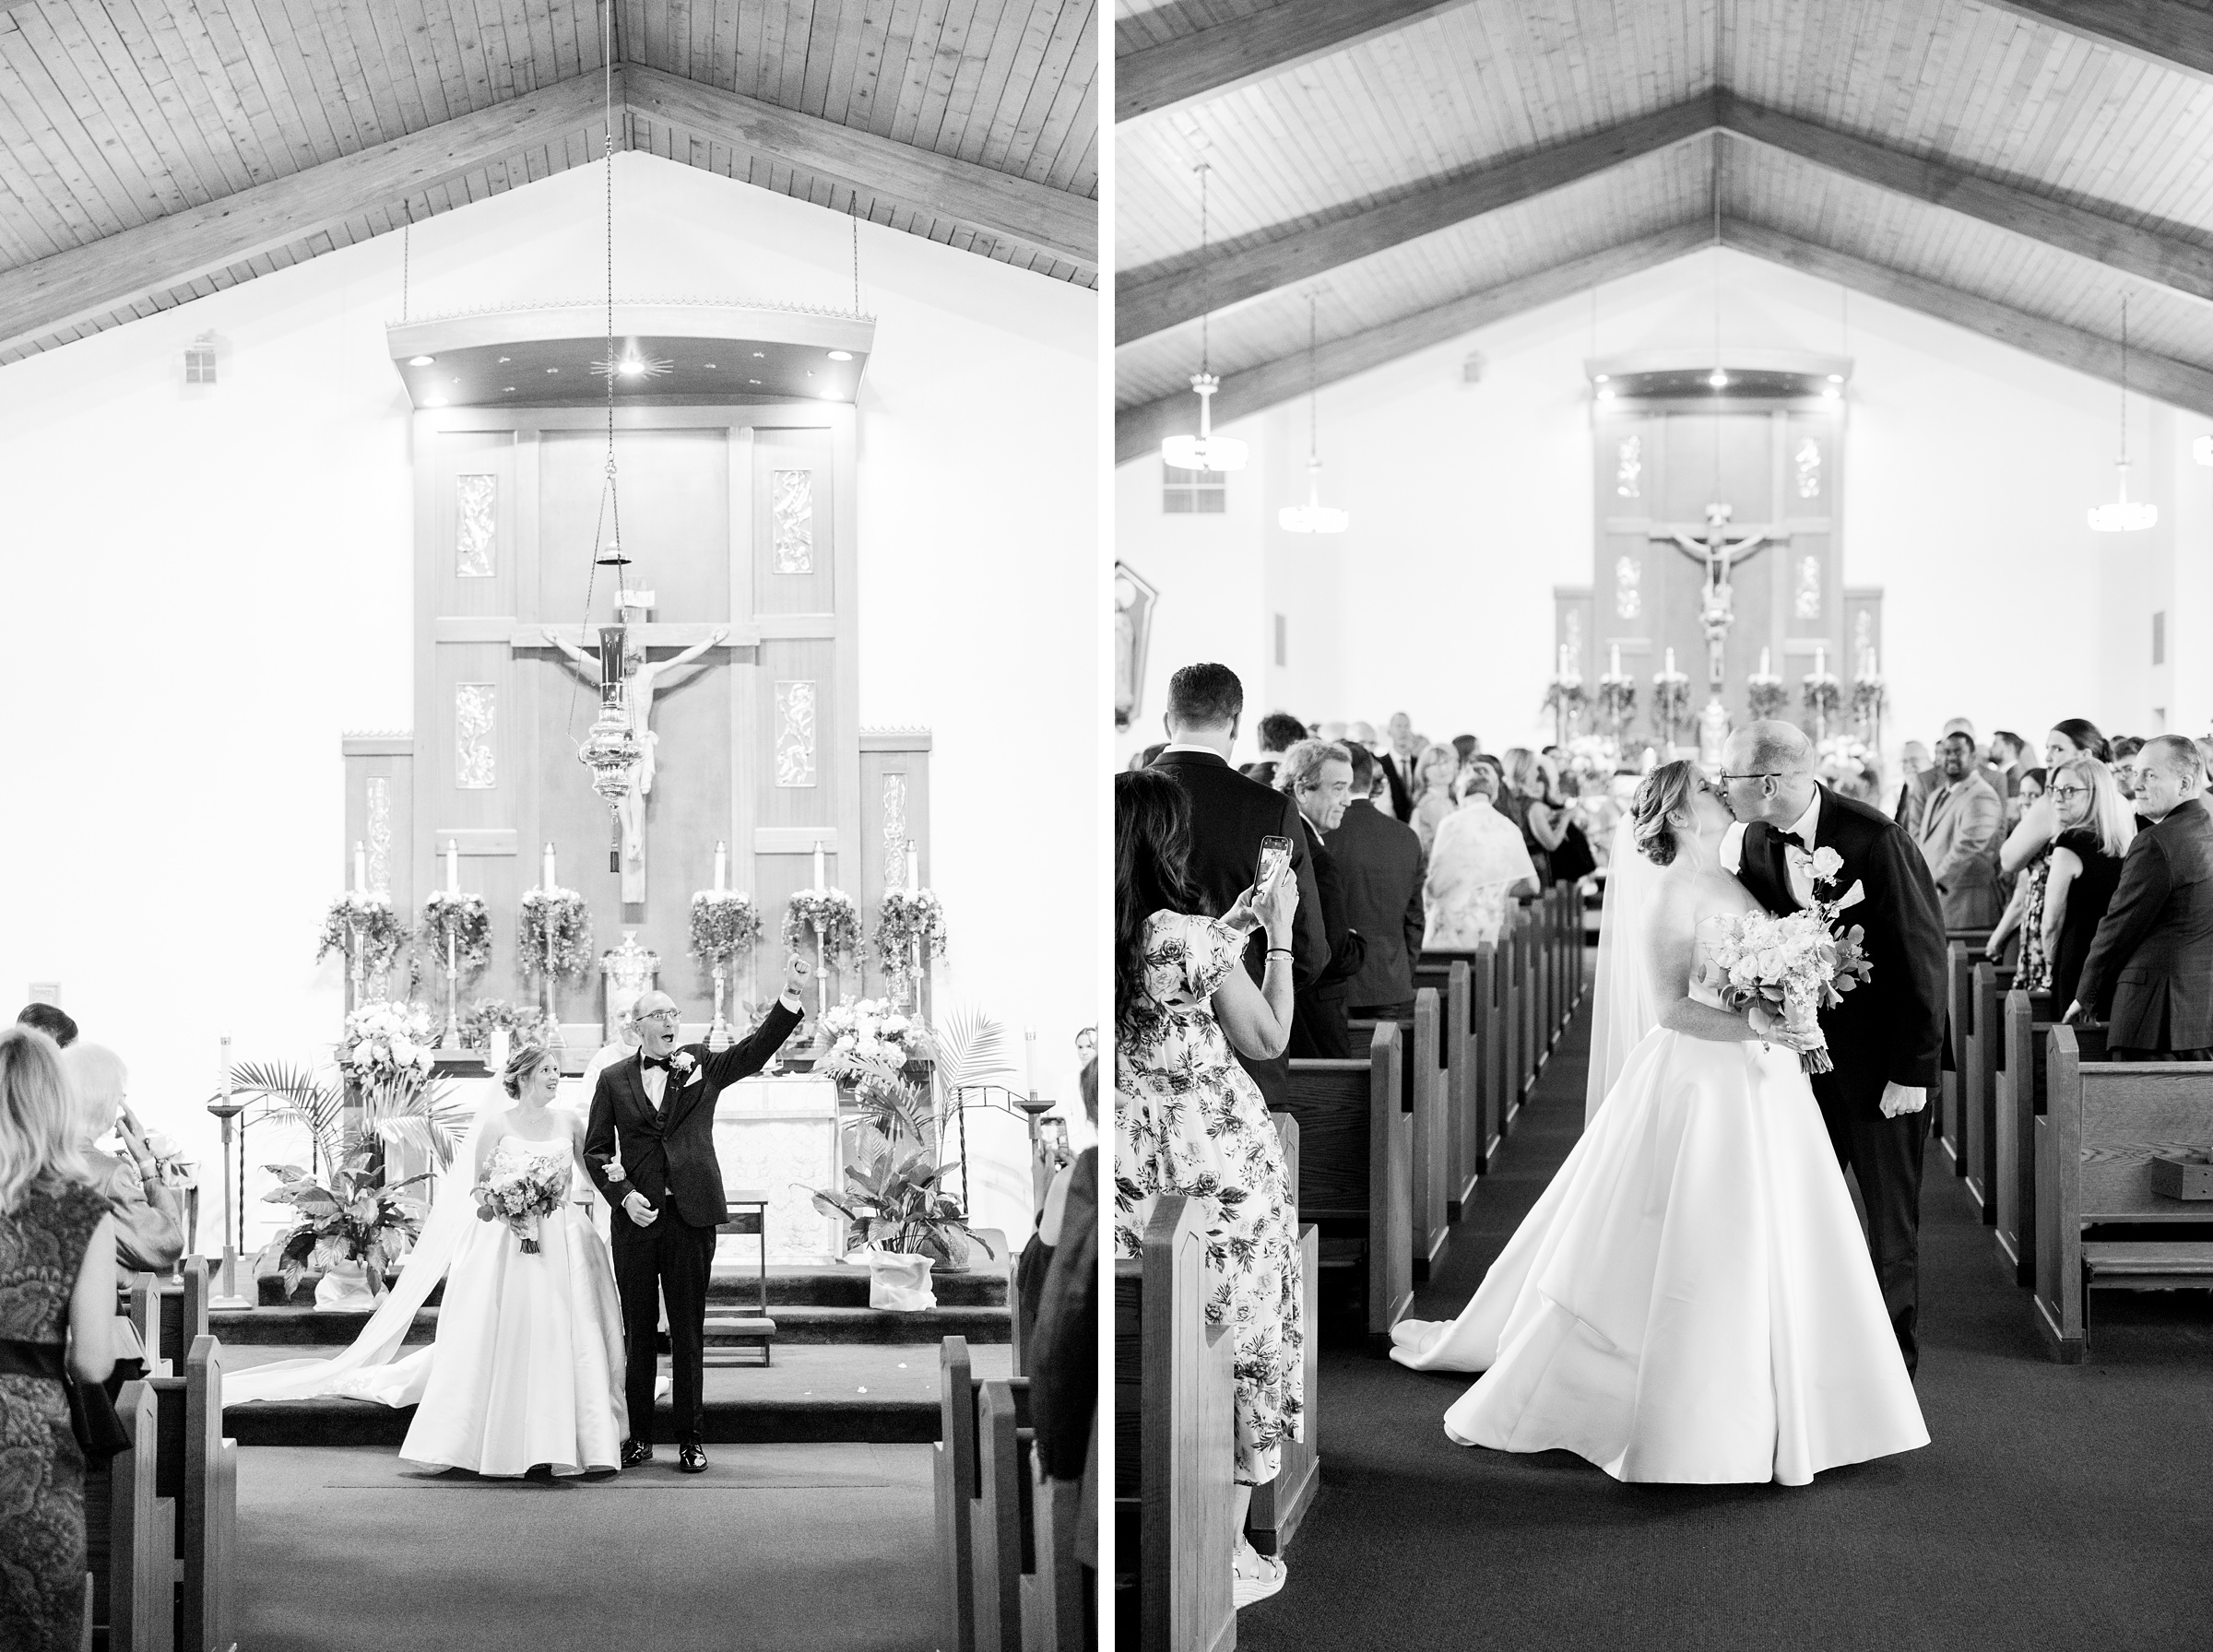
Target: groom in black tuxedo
(667, 1194)
(1886, 1035)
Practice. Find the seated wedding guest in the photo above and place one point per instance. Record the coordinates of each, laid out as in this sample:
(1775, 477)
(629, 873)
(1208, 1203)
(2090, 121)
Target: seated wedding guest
(48, 1019)
(1434, 773)
(1189, 1120)
(2096, 829)
(57, 1310)
(149, 1216)
(1523, 803)
(2149, 972)
(1279, 731)
(1479, 860)
(1957, 836)
(1380, 862)
(1230, 815)
(1397, 762)
(1317, 775)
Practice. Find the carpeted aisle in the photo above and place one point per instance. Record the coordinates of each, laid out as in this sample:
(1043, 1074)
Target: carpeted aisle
(2055, 1508)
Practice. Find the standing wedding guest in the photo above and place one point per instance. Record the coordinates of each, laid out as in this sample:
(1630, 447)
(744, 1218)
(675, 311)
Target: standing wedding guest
(1957, 833)
(1572, 861)
(1479, 860)
(58, 1304)
(2023, 919)
(1381, 864)
(1434, 773)
(2149, 972)
(2067, 740)
(1188, 1120)
(1279, 731)
(2125, 749)
(2071, 738)
(1317, 775)
(1063, 1339)
(1398, 764)
(2008, 754)
(2096, 829)
(1523, 803)
(50, 1020)
(147, 1215)
(1465, 746)
(1913, 760)
(1932, 779)
(1230, 815)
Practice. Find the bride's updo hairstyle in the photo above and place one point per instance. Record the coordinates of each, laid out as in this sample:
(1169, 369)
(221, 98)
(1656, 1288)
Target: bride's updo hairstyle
(1661, 795)
(523, 1063)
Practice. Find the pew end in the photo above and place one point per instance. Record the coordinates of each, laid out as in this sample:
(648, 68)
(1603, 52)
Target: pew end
(1355, 1173)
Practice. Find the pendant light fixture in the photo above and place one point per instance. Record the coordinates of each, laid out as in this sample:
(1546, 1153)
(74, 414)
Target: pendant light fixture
(1205, 451)
(1313, 517)
(2124, 515)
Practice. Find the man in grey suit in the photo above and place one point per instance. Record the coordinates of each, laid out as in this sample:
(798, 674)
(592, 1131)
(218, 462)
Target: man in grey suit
(1380, 863)
(1957, 836)
(2150, 974)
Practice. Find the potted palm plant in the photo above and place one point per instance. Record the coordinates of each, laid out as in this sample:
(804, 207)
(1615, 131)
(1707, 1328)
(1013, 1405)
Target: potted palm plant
(348, 1224)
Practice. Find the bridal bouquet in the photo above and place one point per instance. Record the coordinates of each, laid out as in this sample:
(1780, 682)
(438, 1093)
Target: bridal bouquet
(1796, 965)
(523, 1197)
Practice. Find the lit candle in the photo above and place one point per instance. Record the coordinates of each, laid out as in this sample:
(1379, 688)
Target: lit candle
(360, 870)
(453, 867)
(497, 1057)
(1563, 660)
(1616, 657)
(818, 866)
(1029, 1051)
(545, 872)
(914, 868)
(226, 1044)
(1820, 660)
(722, 860)
(1763, 664)
(1670, 662)
(1870, 671)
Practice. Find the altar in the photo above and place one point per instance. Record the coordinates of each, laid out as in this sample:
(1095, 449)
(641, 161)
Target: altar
(780, 1135)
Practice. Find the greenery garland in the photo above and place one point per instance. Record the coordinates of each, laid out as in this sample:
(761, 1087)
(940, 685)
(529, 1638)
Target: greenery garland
(903, 919)
(1568, 694)
(468, 921)
(834, 910)
(383, 935)
(555, 920)
(724, 924)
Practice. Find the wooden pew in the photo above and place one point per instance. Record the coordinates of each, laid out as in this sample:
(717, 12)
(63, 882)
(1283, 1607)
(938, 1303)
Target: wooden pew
(956, 1476)
(1452, 977)
(198, 1469)
(1493, 1041)
(1175, 1440)
(1423, 1094)
(130, 1536)
(1530, 1026)
(2025, 1024)
(2101, 1123)
(1355, 1171)
(1962, 948)
(1987, 986)
(1281, 1504)
(181, 1305)
(1025, 1535)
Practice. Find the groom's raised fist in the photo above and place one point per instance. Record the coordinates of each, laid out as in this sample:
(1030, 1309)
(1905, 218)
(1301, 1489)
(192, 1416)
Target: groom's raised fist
(797, 973)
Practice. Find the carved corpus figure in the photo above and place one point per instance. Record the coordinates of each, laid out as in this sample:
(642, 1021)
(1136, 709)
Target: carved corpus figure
(1720, 553)
(642, 678)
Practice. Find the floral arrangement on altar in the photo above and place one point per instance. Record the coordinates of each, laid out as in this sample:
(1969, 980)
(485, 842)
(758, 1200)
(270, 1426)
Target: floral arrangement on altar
(1592, 756)
(382, 934)
(1765, 696)
(1616, 701)
(833, 911)
(870, 1041)
(1566, 695)
(385, 1042)
(523, 1026)
(1840, 754)
(554, 933)
(905, 917)
(467, 920)
(1867, 699)
(1671, 699)
(1822, 693)
(724, 924)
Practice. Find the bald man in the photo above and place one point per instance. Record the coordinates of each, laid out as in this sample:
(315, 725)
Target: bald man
(1886, 1036)
(665, 1187)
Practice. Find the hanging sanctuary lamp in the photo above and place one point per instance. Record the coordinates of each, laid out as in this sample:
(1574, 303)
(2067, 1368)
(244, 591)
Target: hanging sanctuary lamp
(1205, 451)
(2124, 515)
(1313, 517)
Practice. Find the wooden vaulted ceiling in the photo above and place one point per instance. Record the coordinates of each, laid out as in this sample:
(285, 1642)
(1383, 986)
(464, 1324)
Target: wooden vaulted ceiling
(152, 151)
(1424, 167)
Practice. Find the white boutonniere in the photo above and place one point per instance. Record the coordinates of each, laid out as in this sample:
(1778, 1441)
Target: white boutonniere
(685, 1063)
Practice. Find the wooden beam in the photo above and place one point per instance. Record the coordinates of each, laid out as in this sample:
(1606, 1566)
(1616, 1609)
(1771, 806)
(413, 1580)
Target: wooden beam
(2178, 384)
(2148, 253)
(2171, 33)
(1052, 220)
(1144, 306)
(1219, 60)
(1140, 429)
(83, 283)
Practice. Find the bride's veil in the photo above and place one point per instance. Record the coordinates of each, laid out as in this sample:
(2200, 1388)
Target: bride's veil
(1623, 1009)
(367, 1368)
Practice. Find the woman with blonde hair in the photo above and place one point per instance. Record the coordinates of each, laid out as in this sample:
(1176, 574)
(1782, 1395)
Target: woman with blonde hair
(1434, 773)
(1526, 802)
(57, 1302)
(2096, 825)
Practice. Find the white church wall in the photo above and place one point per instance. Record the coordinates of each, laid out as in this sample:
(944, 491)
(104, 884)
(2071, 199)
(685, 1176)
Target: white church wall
(225, 577)
(2189, 610)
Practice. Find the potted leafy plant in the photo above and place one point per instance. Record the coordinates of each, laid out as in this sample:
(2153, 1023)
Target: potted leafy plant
(347, 1224)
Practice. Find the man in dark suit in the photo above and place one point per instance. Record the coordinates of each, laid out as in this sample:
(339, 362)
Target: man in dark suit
(657, 1109)
(1380, 861)
(1318, 775)
(1398, 764)
(1230, 815)
(1886, 1037)
(1279, 731)
(2150, 974)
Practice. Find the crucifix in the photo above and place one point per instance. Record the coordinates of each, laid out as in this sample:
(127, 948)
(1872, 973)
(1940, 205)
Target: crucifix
(641, 679)
(1720, 553)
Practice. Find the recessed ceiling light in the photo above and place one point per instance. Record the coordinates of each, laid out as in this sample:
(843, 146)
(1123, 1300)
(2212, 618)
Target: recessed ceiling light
(420, 360)
(840, 355)
(759, 356)
(553, 369)
(1601, 378)
(510, 390)
(710, 367)
(629, 366)
(505, 359)
(752, 381)
(1718, 379)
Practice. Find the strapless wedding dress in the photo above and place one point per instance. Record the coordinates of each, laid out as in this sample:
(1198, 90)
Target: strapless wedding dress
(528, 1367)
(1691, 1300)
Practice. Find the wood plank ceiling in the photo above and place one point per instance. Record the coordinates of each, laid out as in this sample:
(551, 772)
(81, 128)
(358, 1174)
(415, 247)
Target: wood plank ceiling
(2016, 166)
(136, 134)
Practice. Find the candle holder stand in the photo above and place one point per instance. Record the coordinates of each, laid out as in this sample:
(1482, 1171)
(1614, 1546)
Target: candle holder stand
(554, 1038)
(821, 977)
(718, 1030)
(451, 1037)
(225, 1296)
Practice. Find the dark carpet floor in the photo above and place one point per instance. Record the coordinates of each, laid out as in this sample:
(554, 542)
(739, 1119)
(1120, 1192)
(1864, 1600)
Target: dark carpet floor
(2056, 1507)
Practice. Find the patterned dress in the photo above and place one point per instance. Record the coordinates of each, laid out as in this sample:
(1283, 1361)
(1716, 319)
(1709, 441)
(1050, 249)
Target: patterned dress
(2034, 972)
(1191, 1121)
(42, 1472)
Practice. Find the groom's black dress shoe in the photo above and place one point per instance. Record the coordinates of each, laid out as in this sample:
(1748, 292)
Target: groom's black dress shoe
(635, 1452)
(692, 1458)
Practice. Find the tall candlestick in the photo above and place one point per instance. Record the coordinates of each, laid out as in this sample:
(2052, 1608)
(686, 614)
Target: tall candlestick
(722, 859)
(818, 866)
(360, 870)
(546, 870)
(1763, 664)
(914, 869)
(1616, 668)
(453, 867)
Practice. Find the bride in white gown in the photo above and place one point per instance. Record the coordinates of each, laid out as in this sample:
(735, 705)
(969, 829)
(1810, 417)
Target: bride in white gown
(1691, 1300)
(526, 1369)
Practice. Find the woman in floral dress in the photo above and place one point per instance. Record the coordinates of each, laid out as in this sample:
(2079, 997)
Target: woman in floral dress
(1189, 1120)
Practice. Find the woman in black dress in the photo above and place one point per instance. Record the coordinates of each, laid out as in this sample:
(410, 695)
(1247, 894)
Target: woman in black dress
(2096, 826)
(1523, 802)
(57, 1305)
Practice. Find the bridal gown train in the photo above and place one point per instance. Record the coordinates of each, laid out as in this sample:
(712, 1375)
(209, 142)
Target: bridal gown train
(1691, 1300)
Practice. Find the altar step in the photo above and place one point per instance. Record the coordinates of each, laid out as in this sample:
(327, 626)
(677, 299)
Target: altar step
(879, 1393)
(837, 1287)
(795, 1323)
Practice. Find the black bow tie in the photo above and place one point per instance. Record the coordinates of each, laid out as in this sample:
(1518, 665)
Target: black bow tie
(1791, 838)
(659, 1061)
